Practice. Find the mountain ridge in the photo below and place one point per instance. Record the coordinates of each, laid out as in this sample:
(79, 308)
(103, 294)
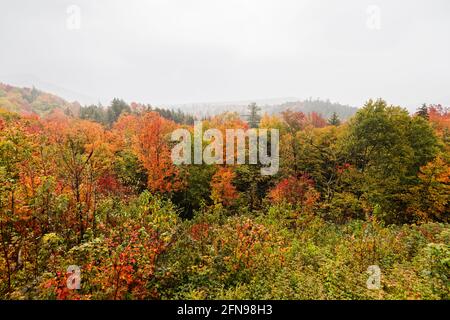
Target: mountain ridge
(26, 100)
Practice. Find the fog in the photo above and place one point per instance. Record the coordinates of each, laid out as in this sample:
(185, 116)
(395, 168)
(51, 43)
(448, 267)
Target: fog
(170, 52)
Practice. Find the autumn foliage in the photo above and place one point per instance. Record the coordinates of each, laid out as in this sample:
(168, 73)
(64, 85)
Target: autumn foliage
(222, 189)
(101, 192)
(152, 148)
(295, 190)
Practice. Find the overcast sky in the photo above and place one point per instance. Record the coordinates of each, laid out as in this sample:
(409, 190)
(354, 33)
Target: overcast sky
(168, 51)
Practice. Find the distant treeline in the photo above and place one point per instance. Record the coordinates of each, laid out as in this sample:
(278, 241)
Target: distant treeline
(324, 108)
(108, 115)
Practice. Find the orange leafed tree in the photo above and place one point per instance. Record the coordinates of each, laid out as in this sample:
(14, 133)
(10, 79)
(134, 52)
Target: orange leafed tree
(223, 190)
(223, 122)
(440, 118)
(151, 145)
(430, 199)
(124, 130)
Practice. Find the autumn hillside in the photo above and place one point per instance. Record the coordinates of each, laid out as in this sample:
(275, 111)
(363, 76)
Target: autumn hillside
(33, 101)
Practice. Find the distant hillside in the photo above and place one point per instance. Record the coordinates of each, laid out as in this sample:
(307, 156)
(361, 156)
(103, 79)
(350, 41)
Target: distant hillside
(206, 109)
(33, 101)
(325, 108)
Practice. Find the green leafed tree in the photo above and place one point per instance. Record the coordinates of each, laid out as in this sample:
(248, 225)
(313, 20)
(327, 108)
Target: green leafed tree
(388, 147)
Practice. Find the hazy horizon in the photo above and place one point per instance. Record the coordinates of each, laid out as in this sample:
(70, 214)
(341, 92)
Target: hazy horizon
(184, 52)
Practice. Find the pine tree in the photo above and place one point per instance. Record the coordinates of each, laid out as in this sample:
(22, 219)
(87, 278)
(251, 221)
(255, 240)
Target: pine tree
(334, 120)
(423, 111)
(253, 117)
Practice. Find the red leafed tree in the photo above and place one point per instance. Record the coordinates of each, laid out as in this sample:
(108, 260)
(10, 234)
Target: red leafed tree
(295, 120)
(223, 190)
(295, 190)
(316, 120)
(151, 145)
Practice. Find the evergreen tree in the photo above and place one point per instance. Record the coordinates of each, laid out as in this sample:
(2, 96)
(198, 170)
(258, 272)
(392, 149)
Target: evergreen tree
(423, 111)
(118, 106)
(334, 120)
(253, 117)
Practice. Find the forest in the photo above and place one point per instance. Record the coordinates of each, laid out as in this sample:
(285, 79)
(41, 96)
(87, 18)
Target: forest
(96, 188)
